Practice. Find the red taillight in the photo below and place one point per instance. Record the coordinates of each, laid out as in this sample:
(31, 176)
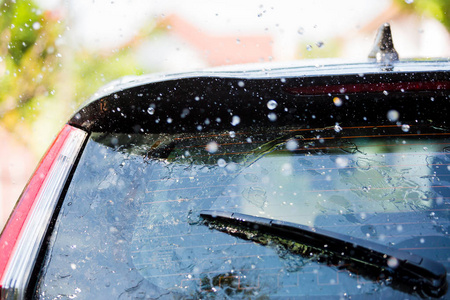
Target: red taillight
(24, 232)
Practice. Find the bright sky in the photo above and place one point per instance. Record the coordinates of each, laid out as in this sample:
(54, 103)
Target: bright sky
(290, 24)
(106, 23)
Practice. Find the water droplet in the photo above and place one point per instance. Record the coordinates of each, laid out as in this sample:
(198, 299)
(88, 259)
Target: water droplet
(386, 93)
(231, 167)
(272, 104)
(405, 128)
(291, 144)
(337, 128)
(392, 262)
(36, 25)
(185, 112)
(287, 169)
(272, 117)
(169, 120)
(341, 162)
(241, 84)
(255, 195)
(300, 30)
(319, 44)
(308, 47)
(212, 147)
(221, 162)
(422, 240)
(235, 120)
(151, 110)
(366, 189)
(393, 115)
(409, 1)
(337, 101)
(232, 134)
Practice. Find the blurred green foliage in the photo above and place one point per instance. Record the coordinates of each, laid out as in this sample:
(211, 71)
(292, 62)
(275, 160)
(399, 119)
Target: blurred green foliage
(21, 19)
(91, 70)
(28, 54)
(438, 9)
(43, 81)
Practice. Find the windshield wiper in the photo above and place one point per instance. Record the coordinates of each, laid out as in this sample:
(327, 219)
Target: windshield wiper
(429, 275)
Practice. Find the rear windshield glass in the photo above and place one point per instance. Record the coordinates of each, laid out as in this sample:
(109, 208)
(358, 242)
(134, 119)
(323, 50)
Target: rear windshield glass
(129, 225)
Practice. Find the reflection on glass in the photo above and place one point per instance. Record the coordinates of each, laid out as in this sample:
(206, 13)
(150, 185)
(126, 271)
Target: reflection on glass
(140, 198)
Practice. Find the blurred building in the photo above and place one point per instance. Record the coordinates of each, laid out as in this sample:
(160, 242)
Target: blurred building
(185, 46)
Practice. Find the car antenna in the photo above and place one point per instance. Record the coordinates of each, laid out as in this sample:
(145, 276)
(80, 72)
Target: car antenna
(383, 50)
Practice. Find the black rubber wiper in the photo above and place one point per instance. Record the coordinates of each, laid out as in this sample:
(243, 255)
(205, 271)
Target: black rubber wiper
(427, 274)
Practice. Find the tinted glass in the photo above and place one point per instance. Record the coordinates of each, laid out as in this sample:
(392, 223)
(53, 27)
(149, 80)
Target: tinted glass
(129, 225)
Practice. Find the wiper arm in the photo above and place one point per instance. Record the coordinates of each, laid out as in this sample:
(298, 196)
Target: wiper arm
(430, 275)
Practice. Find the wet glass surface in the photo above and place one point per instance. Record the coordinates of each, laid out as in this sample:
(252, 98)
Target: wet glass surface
(129, 226)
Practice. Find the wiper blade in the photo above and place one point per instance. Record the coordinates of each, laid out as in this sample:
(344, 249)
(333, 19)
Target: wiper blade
(430, 275)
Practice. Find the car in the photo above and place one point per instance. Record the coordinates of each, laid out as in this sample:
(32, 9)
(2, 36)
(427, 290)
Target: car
(329, 180)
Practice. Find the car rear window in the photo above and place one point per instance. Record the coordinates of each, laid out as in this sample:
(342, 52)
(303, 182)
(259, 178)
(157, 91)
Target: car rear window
(129, 224)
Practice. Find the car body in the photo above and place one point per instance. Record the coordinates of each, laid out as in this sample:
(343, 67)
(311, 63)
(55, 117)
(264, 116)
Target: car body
(152, 188)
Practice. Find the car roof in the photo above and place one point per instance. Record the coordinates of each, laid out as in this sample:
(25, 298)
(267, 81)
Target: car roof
(126, 105)
(302, 68)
